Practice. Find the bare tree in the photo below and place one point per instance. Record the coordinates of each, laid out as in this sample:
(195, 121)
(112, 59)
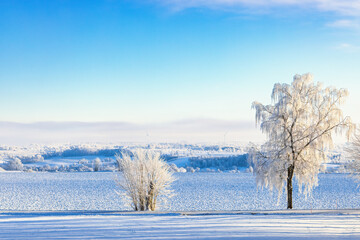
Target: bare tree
(299, 127)
(145, 178)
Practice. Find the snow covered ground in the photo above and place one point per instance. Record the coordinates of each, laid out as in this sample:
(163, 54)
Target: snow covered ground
(84, 205)
(194, 192)
(338, 225)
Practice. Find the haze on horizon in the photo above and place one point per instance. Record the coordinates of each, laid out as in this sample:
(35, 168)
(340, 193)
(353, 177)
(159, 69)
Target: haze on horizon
(186, 70)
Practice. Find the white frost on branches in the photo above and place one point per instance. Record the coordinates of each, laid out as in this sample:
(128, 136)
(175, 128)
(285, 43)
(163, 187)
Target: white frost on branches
(353, 153)
(146, 179)
(15, 165)
(299, 127)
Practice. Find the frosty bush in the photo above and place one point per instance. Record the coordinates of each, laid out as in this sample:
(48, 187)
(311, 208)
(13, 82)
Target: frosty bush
(32, 159)
(145, 179)
(15, 165)
(173, 167)
(97, 164)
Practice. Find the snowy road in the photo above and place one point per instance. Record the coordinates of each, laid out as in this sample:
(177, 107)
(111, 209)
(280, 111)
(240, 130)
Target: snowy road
(177, 226)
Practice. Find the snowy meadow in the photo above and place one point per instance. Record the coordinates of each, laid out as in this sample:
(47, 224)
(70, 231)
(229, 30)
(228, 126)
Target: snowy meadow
(207, 205)
(199, 191)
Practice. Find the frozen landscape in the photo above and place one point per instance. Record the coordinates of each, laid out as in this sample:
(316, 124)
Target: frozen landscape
(179, 119)
(208, 204)
(59, 192)
(57, 195)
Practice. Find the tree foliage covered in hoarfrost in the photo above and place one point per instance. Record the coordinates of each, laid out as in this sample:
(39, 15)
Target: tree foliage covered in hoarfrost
(299, 127)
(145, 179)
(14, 165)
(353, 153)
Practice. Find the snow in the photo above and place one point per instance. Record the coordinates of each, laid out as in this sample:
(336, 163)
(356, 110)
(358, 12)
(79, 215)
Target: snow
(194, 192)
(179, 226)
(84, 205)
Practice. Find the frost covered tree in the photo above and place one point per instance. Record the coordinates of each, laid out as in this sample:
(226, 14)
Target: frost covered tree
(353, 153)
(97, 164)
(145, 179)
(15, 165)
(299, 126)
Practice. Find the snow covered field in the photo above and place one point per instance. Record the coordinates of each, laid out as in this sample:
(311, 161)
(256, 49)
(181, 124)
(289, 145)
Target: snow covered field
(194, 192)
(92, 194)
(338, 225)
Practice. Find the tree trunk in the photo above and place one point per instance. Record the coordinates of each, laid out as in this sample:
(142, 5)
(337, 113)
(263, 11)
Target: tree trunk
(150, 198)
(289, 186)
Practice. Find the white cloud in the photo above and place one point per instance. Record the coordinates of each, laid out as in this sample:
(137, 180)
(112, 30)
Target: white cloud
(344, 23)
(348, 47)
(343, 7)
(344, 45)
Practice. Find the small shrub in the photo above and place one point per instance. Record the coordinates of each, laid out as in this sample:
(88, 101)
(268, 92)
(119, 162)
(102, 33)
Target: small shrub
(145, 179)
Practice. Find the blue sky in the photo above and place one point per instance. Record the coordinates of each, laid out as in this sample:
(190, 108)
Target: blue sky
(151, 62)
